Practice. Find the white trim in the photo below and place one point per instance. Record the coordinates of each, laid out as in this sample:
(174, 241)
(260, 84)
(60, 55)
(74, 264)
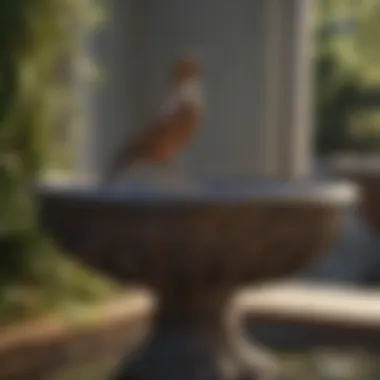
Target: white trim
(273, 62)
(287, 146)
(300, 153)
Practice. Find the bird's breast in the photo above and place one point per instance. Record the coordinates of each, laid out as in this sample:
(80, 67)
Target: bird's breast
(190, 92)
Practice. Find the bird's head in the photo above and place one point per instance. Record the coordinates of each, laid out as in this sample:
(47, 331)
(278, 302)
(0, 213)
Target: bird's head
(186, 68)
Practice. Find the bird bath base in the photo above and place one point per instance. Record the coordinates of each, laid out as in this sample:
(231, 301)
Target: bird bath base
(194, 345)
(194, 250)
(186, 354)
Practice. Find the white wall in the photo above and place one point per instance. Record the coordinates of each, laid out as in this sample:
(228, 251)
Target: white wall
(237, 41)
(110, 113)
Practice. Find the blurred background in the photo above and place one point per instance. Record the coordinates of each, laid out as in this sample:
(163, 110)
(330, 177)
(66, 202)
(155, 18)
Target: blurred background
(63, 74)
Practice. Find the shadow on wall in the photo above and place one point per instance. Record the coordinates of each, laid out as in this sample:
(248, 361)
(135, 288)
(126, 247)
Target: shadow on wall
(354, 259)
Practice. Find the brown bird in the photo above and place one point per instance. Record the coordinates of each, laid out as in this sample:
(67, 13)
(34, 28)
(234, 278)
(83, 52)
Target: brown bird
(172, 127)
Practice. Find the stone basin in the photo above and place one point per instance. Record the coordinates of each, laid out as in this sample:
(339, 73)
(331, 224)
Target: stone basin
(249, 230)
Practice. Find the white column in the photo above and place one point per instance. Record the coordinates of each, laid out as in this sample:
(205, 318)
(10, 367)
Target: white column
(289, 87)
(257, 80)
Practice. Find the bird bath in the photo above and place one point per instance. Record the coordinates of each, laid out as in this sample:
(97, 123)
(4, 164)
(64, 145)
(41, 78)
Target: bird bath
(194, 250)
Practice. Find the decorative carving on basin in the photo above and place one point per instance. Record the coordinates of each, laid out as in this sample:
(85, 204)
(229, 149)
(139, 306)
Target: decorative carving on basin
(365, 172)
(193, 251)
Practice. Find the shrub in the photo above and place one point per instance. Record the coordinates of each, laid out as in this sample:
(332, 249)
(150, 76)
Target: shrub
(36, 37)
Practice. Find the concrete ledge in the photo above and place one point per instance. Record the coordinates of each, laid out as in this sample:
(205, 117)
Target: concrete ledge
(314, 304)
(44, 346)
(302, 315)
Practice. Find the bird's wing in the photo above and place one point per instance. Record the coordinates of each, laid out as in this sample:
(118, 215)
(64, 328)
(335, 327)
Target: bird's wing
(167, 115)
(169, 107)
(130, 151)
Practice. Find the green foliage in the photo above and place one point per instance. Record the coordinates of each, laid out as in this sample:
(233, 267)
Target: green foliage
(346, 67)
(37, 39)
(336, 97)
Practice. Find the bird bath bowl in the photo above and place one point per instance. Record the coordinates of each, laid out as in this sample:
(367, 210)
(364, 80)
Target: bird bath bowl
(365, 172)
(193, 250)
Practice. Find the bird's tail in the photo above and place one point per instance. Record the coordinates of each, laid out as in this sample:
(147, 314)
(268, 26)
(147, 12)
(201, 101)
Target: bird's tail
(122, 163)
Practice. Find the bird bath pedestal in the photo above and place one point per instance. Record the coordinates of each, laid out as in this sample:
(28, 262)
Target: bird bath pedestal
(193, 250)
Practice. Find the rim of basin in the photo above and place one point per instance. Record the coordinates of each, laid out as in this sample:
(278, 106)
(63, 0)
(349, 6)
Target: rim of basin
(210, 191)
(358, 164)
